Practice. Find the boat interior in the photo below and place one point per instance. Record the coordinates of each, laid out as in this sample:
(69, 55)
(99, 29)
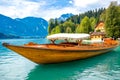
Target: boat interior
(108, 42)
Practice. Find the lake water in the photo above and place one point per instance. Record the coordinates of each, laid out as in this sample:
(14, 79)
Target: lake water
(16, 67)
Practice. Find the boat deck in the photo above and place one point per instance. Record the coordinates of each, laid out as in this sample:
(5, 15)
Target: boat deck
(73, 46)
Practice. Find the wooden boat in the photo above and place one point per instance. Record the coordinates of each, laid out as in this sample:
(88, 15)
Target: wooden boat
(67, 51)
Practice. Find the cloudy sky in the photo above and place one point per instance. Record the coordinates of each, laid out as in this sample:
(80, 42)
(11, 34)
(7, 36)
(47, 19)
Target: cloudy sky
(48, 8)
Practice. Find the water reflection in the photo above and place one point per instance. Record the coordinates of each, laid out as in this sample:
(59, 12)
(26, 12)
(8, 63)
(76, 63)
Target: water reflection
(106, 66)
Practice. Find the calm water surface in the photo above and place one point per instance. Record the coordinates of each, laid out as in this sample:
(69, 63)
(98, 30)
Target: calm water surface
(16, 67)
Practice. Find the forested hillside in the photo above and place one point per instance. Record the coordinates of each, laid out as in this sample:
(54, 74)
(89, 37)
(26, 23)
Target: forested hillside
(86, 22)
(77, 23)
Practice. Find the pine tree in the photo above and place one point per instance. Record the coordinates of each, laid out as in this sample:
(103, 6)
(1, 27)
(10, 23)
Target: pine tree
(51, 25)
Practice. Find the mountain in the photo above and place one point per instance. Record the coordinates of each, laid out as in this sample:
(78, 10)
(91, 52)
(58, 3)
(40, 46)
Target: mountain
(29, 26)
(3, 36)
(64, 17)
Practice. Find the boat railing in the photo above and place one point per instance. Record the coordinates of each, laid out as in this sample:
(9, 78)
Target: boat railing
(82, 46)
(105, 44)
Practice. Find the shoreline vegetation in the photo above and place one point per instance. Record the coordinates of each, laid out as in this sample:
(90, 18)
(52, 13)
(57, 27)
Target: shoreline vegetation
(86, 22)
(3, 36)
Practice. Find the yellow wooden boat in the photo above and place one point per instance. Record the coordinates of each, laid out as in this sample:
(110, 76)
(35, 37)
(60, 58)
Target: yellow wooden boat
(67, 51)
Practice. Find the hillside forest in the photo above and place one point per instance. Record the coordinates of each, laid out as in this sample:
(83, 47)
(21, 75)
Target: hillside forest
(86, 22)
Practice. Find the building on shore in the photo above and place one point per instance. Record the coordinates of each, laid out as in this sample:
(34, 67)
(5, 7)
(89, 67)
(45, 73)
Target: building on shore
(99, 32)
(100, 27)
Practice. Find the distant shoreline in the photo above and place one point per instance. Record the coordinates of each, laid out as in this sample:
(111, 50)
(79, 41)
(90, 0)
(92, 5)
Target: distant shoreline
(24, 38)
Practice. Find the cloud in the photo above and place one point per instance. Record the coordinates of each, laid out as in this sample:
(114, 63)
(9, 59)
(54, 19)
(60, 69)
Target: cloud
(55, 13)
(106, 3)
(85, 3)
(23, 8)
(48, 8)
(70, 2)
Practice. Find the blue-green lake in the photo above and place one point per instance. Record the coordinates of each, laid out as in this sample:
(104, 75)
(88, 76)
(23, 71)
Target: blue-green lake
(16, 67)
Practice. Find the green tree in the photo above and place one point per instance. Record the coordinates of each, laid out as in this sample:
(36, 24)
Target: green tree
(53, 31)
(84, 26)
(56, 22)
(112, 20)
(69, 24)
(68, 30)
(51, 25)
(56, 30)
(92, 23)
(103, 16)
(62, 30)
(77, 29)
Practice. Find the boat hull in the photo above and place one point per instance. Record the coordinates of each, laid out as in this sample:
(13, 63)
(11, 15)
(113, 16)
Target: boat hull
(45, 55)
